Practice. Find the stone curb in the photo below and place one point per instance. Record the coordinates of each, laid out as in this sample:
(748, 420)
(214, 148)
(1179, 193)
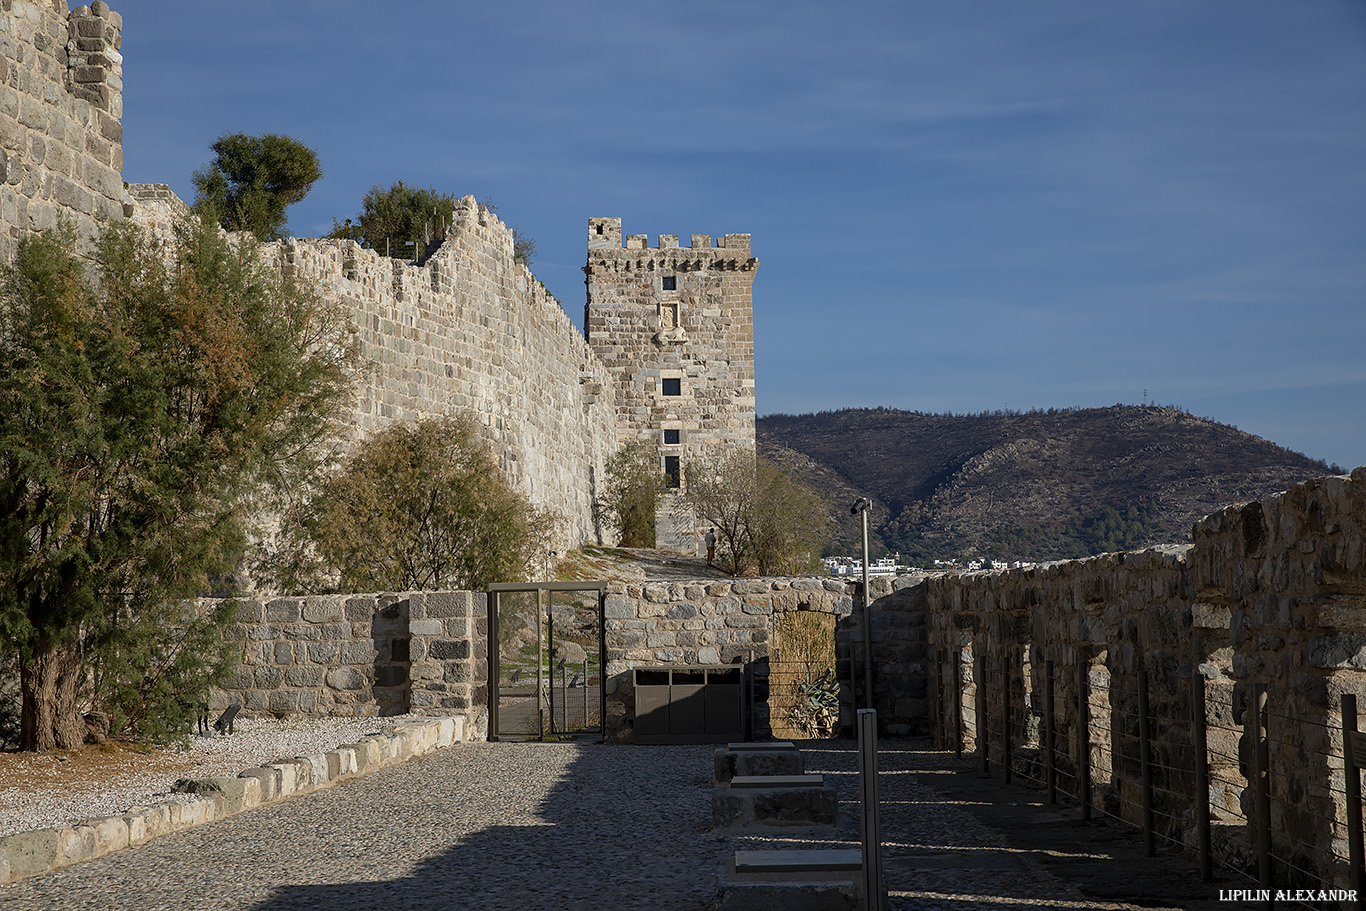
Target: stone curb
(33, 853)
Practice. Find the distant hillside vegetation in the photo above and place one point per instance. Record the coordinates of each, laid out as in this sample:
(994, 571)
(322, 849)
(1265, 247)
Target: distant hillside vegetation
(1033, 486)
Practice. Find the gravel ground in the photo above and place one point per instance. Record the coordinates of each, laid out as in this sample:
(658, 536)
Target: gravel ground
(564, 826)
(505, 825)
(41, 790)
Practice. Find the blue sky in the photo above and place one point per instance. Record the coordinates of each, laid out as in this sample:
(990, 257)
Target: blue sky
(956, 206)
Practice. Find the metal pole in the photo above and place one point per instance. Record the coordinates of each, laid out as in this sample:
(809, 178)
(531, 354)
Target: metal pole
(1352, 766)
(872, 836)
(493, 662)
(1005, 715)
(980, 723)
(1050, 734)
(957, 702)
(1084, 738)
(1201, 776)
(868, 701)
(602, 666)
(1145, 757)
(543, 691)
(937, 660)
(1261, 790)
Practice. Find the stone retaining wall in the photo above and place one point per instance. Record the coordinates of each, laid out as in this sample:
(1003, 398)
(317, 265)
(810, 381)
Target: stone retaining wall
(731, 621)
(365, 655)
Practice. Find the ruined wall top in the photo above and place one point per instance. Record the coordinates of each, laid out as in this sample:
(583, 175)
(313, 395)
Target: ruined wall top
(605, 234)
(61, 103)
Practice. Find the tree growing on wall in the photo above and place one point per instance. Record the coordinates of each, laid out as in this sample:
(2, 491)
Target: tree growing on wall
(141, 414)
(253, 179)
(398, 220)
(416, 506)
(629, 495)
(766, 520)
(523, 244)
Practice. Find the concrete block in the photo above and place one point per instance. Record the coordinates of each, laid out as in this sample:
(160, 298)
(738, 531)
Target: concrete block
(31, 853)
(75, 844)
(729, 762)
(799, 805)
(268, 779)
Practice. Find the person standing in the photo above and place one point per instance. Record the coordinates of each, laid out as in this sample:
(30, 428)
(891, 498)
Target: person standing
(711, 545)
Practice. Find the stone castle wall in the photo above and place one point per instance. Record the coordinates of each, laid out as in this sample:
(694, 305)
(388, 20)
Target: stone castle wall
(471, 331)
(61, 106)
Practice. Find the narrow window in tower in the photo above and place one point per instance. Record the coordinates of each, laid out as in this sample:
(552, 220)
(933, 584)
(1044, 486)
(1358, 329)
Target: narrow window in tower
(672, 386)
(599, 229)
(671, 438)
(670, 283)
(671, 472)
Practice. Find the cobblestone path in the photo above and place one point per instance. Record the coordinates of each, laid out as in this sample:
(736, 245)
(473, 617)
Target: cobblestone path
(526, 827)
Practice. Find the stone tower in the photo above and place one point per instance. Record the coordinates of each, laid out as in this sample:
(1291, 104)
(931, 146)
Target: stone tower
(674, 328)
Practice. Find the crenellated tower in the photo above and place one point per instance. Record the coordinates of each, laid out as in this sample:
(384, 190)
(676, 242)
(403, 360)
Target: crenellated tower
(674, 327)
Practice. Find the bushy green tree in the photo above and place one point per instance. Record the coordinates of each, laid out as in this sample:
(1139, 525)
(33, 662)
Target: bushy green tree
(766, 520)
(253, 179)
(391, 217)
(629, 495)
(141, 411)
(416, 506)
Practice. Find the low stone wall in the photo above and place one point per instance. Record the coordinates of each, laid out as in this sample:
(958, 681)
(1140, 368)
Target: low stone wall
(1270, 594)
(44, 850)
(732, 621)
(370, 654)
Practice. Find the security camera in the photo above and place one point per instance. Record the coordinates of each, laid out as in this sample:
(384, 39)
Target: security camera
(859, 506)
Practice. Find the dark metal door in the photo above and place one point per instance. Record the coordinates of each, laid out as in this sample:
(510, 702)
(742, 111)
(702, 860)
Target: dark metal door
(546, 662)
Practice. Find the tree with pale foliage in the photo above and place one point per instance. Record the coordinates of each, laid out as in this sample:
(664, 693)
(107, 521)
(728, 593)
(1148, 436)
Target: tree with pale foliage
(766, 520)
(147, 401)
(415, 507)
(629, 494)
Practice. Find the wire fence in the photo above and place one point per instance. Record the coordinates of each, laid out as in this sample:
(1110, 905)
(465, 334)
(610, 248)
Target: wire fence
(1201, 761)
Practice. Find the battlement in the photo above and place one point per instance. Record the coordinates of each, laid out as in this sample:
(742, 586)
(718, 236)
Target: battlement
(61, 139)
(605, 234)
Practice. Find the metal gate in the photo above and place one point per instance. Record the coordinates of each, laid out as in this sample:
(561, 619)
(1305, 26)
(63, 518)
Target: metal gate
(546, 667)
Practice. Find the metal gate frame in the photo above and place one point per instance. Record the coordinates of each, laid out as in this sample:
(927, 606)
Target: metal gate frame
(543, 592)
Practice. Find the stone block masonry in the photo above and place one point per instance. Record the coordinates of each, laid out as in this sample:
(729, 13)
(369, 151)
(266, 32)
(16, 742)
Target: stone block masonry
(469, 330)
(363, 655)
(61, 107)
(732, 622)
(674, 327)
(1269, 594)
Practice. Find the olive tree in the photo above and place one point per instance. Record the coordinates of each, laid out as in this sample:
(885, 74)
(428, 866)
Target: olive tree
(630, 492)
(416, 506)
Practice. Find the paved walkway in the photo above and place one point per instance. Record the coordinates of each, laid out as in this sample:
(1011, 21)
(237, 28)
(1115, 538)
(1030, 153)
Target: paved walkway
(558, 826)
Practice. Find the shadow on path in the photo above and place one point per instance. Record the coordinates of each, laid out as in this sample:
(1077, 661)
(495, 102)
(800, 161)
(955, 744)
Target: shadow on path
(620, 827)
